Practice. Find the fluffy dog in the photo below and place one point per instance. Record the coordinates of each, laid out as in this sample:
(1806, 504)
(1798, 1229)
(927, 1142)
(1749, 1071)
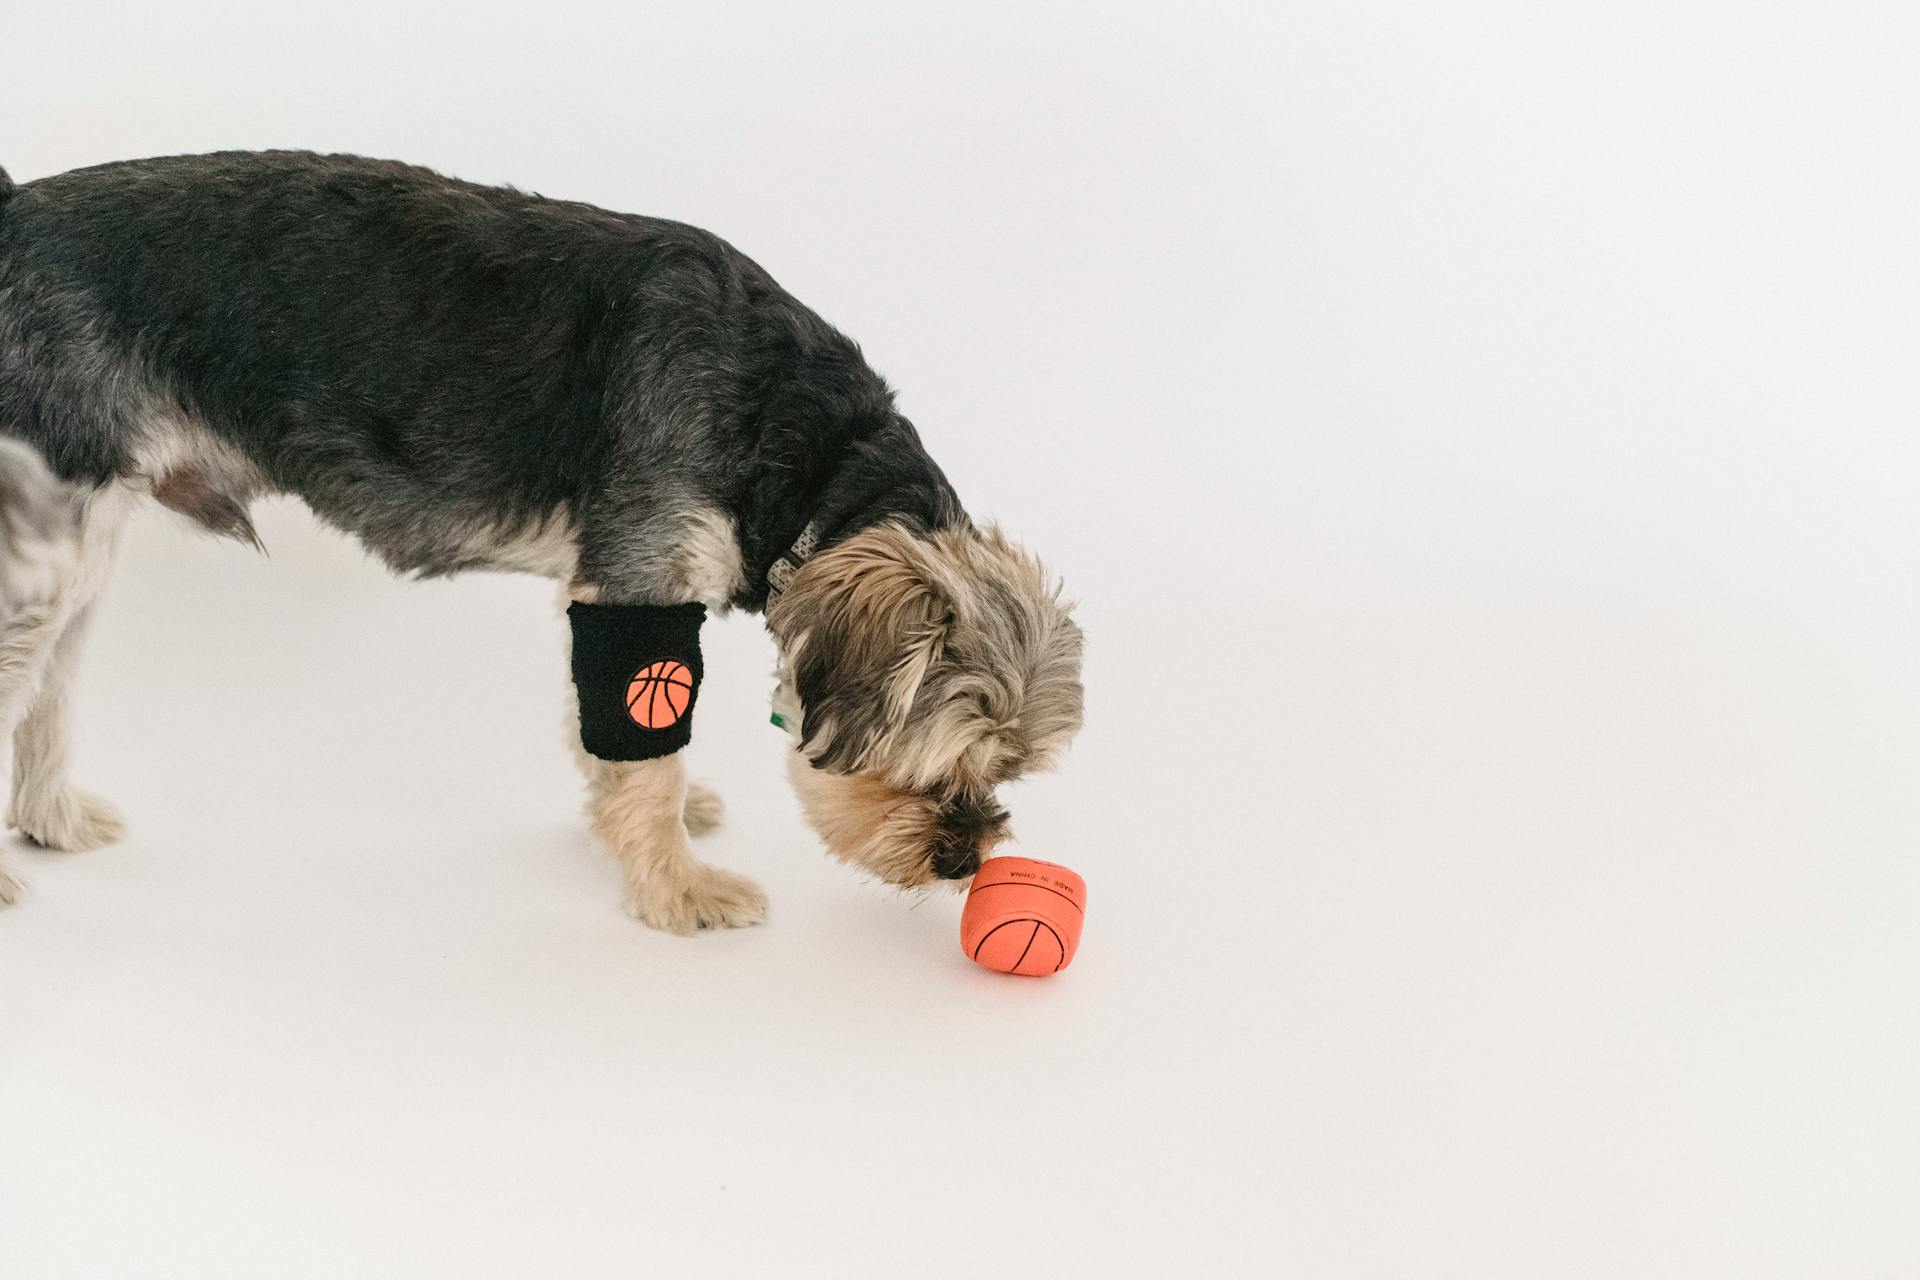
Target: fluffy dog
(475, 377)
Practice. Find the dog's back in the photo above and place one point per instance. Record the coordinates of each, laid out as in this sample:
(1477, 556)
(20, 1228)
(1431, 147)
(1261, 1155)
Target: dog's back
(415, 356)
(271, 292)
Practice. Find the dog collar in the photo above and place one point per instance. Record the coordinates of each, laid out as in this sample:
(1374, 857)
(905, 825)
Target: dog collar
(783, 569)
(790, 561)
(785, 707)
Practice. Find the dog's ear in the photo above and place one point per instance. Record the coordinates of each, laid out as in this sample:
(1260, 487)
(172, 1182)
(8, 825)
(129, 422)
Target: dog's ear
(862, 625)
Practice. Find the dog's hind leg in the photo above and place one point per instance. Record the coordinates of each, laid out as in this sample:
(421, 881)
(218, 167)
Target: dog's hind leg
(705, 809)
(38, 650)
(46, 807)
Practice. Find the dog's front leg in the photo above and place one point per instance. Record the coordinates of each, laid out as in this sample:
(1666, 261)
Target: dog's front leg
(636, 673)
(637, 810)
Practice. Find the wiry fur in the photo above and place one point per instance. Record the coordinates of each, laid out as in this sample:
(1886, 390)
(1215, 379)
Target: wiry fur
(477, 377)
(930, 669)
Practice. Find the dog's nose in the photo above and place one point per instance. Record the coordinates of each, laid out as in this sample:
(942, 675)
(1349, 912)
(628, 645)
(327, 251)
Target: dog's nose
(955, 860)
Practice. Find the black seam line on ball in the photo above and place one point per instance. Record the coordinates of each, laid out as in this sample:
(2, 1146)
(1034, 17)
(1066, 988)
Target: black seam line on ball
(1056, 942)
(668, 678)
(1023, 951)
(997, 928)
(1008, 884)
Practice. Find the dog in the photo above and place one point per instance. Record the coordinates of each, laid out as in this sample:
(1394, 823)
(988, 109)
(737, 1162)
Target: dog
(472, 377)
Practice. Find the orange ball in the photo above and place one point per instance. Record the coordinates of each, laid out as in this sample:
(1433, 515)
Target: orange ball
(660, 694)
(1023, 916)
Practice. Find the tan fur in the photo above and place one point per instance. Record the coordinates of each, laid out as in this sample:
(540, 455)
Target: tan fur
(927, 666)
(709, 568)
(867, 821)
(705, 811)
(637, 809)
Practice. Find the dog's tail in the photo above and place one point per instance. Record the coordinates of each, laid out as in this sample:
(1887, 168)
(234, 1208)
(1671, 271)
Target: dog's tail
(6, 187)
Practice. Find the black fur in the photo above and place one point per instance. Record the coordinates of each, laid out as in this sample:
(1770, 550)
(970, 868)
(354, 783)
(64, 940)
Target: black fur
(968, 824)
(421, 359)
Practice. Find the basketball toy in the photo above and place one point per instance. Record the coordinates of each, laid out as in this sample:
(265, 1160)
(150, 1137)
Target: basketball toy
(660, 694)
(636, 674)
(1023, 916)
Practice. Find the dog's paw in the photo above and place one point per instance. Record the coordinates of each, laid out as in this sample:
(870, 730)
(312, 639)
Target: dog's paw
(709, 899)
(705, 810)
(10, 888)
(69, 819)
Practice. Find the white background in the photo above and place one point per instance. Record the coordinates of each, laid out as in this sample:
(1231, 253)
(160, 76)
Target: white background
(1482, 437)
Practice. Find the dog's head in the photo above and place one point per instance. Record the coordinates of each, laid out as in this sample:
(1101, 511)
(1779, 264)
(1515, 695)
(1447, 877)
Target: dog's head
(929, 669)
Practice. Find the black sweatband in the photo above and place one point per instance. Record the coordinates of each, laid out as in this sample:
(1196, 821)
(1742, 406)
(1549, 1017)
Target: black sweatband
(637, 670)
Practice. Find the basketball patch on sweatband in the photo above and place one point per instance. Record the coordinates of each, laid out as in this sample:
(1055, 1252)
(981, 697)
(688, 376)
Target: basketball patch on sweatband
(637, 671)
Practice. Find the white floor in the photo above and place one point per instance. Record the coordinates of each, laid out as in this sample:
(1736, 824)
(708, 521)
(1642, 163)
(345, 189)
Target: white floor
(357, 996)
(1483, 440)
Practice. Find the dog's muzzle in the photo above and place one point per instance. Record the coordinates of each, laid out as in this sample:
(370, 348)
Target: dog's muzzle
(969, 827)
